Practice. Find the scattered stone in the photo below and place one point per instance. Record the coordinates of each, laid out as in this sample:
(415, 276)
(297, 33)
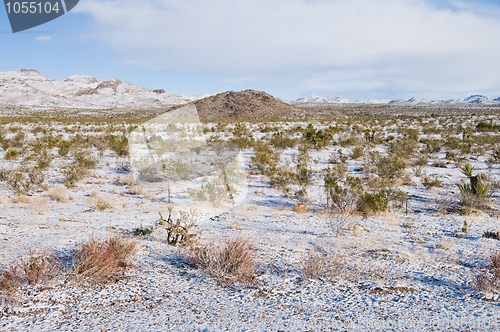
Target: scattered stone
(358, 230)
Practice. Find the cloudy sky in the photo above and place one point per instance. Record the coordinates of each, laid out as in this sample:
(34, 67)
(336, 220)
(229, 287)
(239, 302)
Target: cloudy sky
(356, 49)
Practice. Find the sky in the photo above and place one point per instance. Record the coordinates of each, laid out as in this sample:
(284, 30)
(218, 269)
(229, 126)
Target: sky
(355, 49)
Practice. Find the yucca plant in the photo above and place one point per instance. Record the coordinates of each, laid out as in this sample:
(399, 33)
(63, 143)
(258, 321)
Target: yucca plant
(482, 190)
(467, 170)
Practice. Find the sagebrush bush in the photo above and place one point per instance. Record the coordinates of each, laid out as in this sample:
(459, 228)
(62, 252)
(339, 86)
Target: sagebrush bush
(230, 260)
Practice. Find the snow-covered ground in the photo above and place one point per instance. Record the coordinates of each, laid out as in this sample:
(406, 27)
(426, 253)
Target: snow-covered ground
(413, 272)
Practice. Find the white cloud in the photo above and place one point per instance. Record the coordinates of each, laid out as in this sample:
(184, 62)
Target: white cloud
(345, 46)
(44, 38)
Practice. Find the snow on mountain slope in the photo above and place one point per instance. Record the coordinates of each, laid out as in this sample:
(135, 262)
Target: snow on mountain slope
(29, 88)
(317, 99)
(474, 99)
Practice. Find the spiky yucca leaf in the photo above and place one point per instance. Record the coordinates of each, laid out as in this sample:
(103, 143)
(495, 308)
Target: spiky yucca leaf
(467, 170)
(464, 188)
(482, 189)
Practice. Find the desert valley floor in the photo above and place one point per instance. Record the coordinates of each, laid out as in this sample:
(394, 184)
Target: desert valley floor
(353, 223)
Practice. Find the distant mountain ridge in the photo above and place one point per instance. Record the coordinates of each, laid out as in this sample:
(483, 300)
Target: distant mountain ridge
(473, 99)
(29, 88)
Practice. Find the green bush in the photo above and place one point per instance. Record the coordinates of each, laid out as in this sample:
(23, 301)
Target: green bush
(11, 154)
(373, 203)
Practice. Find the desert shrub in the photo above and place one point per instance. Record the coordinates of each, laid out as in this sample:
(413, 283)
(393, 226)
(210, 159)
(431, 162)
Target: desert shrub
(85, 159)
(432, 145)
(403, 147)
(43, 161)
(39, 129)
(178, 170)
(11, 154)
(72, 174)
(264, 157)
(20, 198)
(492, 235)
(40, 268)
(397, 197)
(281, 141)
(64, 147)
(487, 279)
(149, 170)
(98, 261)
(372, 203)
(128, 180)
(325, 267)
(421, 160)
(4, 174)
(484, 126)
(124, 165)
(341, 221)
(100, 201)
(119, 144)
(36, 268)
(16, 180)
(215, 192)
(35, 177)
(242, 142)
(429, 182)
(11, 279)
(390, 165)
(143, 230)
(230, 260)
(281, 177)
(303, 171)
(318, 138)
(357, 152)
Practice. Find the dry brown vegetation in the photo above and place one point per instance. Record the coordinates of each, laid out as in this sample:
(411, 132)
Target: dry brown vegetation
(327, 267)
(487, 279)
(230, 260)
(58, 193)
(98, 261)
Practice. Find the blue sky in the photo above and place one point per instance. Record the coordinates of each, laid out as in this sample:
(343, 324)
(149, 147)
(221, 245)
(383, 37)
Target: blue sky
(356, 49)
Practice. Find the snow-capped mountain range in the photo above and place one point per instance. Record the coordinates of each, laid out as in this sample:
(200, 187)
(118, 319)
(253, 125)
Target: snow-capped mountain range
(29, 88)
(474, 99)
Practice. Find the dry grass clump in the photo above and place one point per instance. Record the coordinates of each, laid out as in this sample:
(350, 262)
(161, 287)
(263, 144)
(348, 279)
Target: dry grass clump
(325, 267)
(100, 201)
(136, 190)
(40, 268)
(230, 260)
(58, 193)
(21, 198)
(40, 203)
(99, 261)
(37, 268)
(128, 180)
(4, 200)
